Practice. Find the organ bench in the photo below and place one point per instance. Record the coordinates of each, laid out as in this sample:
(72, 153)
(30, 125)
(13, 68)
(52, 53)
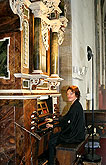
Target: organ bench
(67, 153)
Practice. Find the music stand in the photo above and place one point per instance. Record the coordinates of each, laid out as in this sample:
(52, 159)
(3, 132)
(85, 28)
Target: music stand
(92, 157)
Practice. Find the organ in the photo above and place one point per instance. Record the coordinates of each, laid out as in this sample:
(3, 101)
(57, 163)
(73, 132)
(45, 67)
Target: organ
(39, 129)
(38, 123)
(30, 33)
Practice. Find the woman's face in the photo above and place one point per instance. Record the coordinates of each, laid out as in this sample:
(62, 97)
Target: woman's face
(71, 95)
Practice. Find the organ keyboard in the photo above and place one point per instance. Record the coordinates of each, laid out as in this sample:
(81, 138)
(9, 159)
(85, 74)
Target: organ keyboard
(38, 123)
(38, 127)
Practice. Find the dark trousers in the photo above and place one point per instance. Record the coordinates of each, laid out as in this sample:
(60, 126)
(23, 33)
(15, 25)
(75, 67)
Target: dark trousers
(53, 142)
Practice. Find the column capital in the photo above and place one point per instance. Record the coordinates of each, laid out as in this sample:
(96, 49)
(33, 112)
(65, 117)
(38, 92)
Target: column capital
(52, 5)
(49, 12)
(55, 25)
(39, 9)
(59, 25)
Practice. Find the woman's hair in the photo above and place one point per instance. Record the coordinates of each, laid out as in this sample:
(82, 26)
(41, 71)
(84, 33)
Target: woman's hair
(75, 89)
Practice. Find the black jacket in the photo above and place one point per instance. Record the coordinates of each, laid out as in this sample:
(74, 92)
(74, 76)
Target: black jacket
(73, 125)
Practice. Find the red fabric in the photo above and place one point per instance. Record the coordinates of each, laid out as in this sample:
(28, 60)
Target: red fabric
(102, 150)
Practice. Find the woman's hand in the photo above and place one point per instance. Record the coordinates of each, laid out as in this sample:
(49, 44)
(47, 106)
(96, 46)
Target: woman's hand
(49, 125)
(49, 120)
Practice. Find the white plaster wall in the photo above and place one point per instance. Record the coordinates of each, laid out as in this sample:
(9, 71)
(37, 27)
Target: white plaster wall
(83, 35)
(104, 14)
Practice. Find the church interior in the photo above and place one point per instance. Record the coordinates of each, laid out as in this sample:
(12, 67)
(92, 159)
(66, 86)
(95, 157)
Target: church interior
(44, 48)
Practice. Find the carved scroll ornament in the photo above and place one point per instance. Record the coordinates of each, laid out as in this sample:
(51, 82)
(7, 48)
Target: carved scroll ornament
(52, 5)
(17, 7)
(45, 28)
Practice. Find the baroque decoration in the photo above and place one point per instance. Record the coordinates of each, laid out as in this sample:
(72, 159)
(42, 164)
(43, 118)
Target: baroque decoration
(17, 7)
(51, 5)
(45, 28)
(44, 10)
(20, 7)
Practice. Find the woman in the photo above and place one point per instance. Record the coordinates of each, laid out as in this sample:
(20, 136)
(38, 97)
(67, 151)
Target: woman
(72, 124)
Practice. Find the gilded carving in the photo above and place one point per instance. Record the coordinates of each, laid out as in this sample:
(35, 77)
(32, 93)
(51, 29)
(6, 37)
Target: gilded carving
(25, 43)
(44, 10)
(45, 28)
(61, 31)
(52, 5)
(18, 7)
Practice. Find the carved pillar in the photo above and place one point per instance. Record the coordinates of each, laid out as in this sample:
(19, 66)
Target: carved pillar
(54, 53)
(37, 44)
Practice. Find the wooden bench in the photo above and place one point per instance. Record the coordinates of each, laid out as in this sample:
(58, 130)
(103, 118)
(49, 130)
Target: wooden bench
(66, 154)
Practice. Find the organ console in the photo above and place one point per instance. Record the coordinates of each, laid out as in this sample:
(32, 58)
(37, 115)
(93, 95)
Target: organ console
(39, 129)
(38, 123)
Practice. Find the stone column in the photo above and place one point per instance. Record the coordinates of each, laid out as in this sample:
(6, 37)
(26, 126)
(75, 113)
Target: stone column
(37, 44)
(54, 53)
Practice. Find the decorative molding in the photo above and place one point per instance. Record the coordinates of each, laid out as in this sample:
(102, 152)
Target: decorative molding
(26, 43)
(35, 78)
(55, 25)
(43, 97)
(55, 95)
(4, 39)
(79, 72)
(39, 9)
(24, 91)
(18, 7)
(37, 72)
(45, 28)
(36, 82)
(27, 2)
(20, 97)
(52, 5)
(30, 76)
(60, 37)
(61, 31)
(43, 10)
(53, 81)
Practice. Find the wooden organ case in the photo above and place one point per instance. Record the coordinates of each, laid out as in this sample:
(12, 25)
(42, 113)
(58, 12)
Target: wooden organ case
(30, 34)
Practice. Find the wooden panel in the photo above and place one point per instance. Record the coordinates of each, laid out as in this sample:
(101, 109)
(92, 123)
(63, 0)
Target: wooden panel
(14, 61)
(66, 153)
(65, 157)
(8, 20)
(7, 133)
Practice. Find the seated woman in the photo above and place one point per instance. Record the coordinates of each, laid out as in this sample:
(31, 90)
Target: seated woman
(72, 124)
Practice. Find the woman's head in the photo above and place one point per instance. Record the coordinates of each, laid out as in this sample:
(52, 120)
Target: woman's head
(73, 93)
